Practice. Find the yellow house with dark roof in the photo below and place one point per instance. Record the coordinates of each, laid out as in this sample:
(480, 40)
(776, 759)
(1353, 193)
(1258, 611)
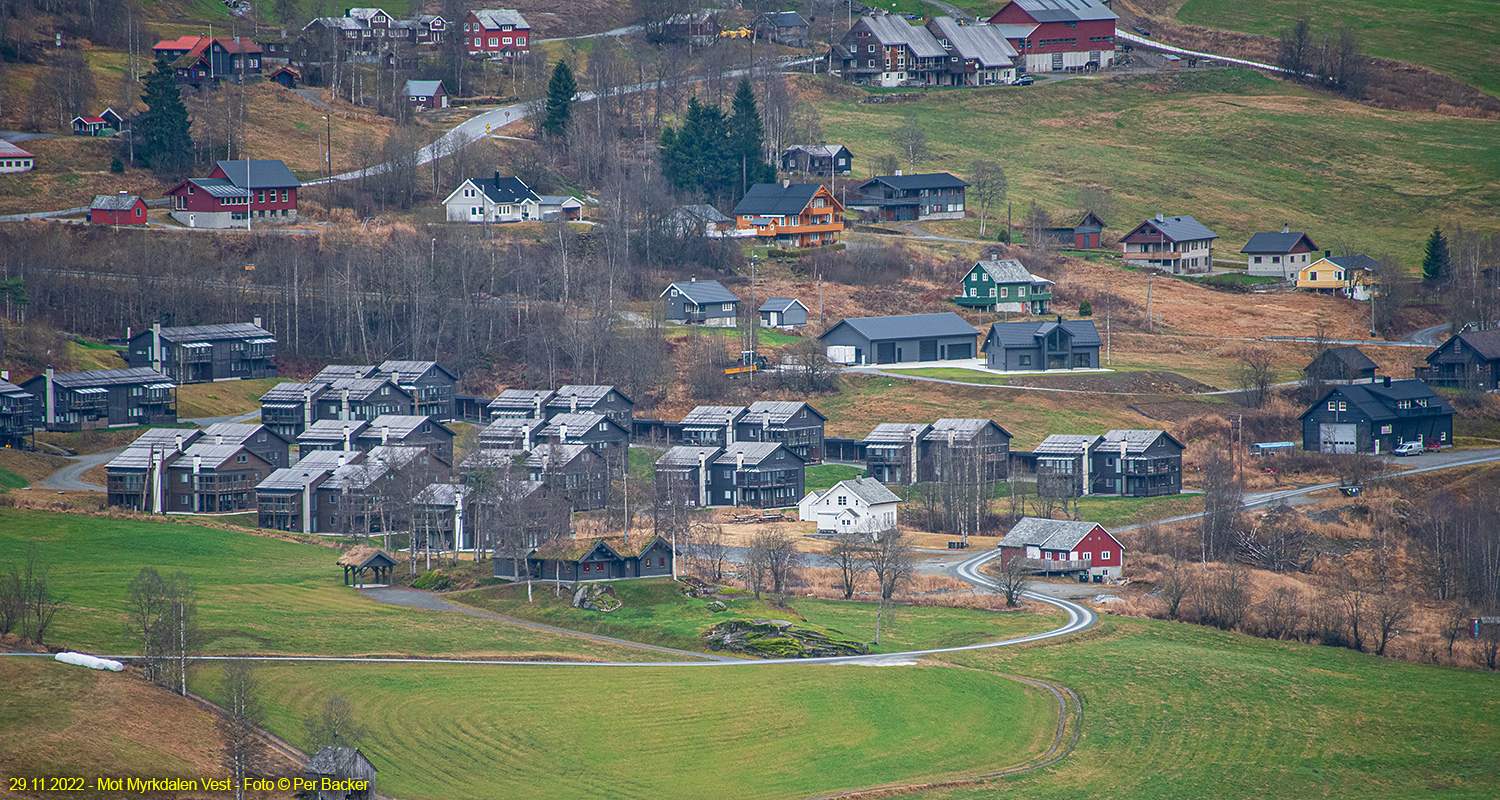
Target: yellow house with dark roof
(1346, 276)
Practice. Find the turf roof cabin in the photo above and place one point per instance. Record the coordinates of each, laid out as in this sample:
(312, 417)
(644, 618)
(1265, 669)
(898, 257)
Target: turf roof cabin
(1081, 236)
(1004, 285)
(898, 198)
(1469, 360)
(1376, 418)
(205, 353)
(908, 338)
(1177, 245)
(695, 302)
(1279, 255)
(1042, 346)
(603, 559)
(1064, 547)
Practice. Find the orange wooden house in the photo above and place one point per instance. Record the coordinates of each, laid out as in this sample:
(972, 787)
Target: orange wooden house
(791, 214)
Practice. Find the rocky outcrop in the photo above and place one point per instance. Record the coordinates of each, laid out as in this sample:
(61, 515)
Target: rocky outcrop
(777, 638)
(596, 597)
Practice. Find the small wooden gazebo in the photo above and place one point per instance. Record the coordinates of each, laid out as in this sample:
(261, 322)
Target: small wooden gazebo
(362, 558)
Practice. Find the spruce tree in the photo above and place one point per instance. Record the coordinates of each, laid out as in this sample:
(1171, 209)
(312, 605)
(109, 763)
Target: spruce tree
(165, 140)
(560, 91)
(1435, 259)
(746, 140)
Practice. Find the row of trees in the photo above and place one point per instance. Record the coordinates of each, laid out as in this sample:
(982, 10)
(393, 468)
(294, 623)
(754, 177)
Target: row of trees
(1331, 59)
(716, 155)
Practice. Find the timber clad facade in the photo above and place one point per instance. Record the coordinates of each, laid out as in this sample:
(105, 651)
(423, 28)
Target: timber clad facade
(212, 478)
(204, 353)
(797, 426)
(965, 451)
(595, 560)
(1004, 285)
(1059, 35)
(1137, 463)
(101, 398)
(791, 214)
(1279, 255)
(1376, 418)
(898, 198)
(15, 415)
(1064, 547)
(1469, 360)
(1033, 346)
(235, 194)
(498, 33)
(696, 302)
(1175, 244)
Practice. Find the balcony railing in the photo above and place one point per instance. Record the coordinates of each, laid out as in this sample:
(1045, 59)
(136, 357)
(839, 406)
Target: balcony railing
(1161, 255)
(1048, 565)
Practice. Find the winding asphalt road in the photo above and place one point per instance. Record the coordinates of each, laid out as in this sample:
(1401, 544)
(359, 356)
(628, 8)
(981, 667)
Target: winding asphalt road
(70, 478)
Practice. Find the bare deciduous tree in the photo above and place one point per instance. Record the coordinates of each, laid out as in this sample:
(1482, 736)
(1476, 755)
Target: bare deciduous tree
(849, 554)
(244, 751)
(1177, 582)
(334, 725)
(1281, 613)
(911, 140)
(987, 186)
(891, 560)
(1013, 581)
(1388, 612)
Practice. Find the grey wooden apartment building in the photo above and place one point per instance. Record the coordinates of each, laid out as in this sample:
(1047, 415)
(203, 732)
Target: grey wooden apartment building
(204, 353)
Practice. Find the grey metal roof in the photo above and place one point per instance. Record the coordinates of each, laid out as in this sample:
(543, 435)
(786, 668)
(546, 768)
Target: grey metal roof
(869, 490)
(1351, 358)
(234, 431)
(701, 292)
(1355, 262)
(687, 456)
(1012, 31)
(114, 202)
(926, 180)
(1181, 229)
(167, 437)
(264, 173)
(589, 395)
(783, 19)
(781, 411)
(713, 416)
(982, 43)
(424, 88)
(334, 372)
(492, 19)
(511, 429)
(328, 458)
(521, 398)
(401, 425)
(1066, 444)
(375, 463)
(332, 430)
(9, 389)
(559, 199)
(291, 392)
(775, 200)
(1050, 534)
(295, 477)
(411, 370)
(213, 455)
(1136, 441)
(444, 495)
(1009, 270)
(487, 457)
(1025, 334)
(908, 326)
(781, 304)
(132, 458)
(754, 452)
(359, 388)
(575, 423)
(896, 432)
(218, 187)
(1066, 10)
(108, 377)
(817, 150)
(1276, 243)
(210, 333)
(702, 212)
(890, 29)
(554, 454)
(961, 428)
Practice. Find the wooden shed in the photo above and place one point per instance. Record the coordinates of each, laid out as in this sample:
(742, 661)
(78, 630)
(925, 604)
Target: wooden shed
(344, 771)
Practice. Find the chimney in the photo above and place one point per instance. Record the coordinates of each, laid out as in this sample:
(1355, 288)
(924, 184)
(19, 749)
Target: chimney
(218, 438)
(1159, 218)
(1327, 253)
(562, 433)
(539, 414)
(526, 438)
(385, 434)
(702, 478)
(343, 460)
(1059, 319)
(898, 173)
(739, 460)
(124, 193)
(458, 519)
(178, 437)
(5, 373)
(346, 439)
(1286, 228)
(344, 411)
(51, 400)
(307, 408)
(786, 183)
(573, 404)
(1387, 380)
(257, 321)
(156, 354)
(497, 180)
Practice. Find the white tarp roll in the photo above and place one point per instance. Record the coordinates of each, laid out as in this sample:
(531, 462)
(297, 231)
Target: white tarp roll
(79, 659)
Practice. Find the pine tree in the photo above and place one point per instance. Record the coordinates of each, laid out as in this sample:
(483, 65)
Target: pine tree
(165, 141)
(1436, 259)
(560, 91)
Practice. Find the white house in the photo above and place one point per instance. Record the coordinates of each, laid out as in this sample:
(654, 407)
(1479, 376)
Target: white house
(862, 505)
(14, 159)
(493, 200)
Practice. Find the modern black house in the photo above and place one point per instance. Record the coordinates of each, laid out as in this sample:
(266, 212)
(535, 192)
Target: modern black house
(897, 198)
(794, 424)
(362, 398)
(894, 452)
(135, 478)
(711, 426)
(408, 430)
(512, 434)
(520, 404)
(1136, 463)
(259, 439)
(757, 474)
(101, 398)
(1345, 364)
(331, 434)
(1376, 417)
(900, 339)
(204, 353)
(596, 431)
(288, 407)
(1062, 464)
(966, 451)
(816, 159)
(591, 399)
(574, 472)
(287, 500)
(1468, 360)
(698, 302)
(682, 475)
(15, 415)
(432, 387)
(1028, 346)
(211, 478)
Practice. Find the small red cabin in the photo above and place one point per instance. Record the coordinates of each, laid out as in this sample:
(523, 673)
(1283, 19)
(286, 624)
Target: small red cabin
(117, 209)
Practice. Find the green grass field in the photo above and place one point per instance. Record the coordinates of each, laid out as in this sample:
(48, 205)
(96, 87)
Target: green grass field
(462, 732)
(825, 476)
(1180, 712)
(1240, 151)
(1454, 37)
(222, 399)
(657, 612)
(256, 594)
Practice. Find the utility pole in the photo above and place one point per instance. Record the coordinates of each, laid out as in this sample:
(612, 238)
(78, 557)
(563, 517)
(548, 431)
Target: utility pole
(1150, 323)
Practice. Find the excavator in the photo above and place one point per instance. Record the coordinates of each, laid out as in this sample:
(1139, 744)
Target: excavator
(748, 362)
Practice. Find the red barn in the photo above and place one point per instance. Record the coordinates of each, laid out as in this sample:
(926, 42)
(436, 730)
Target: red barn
(1059, 35)
(1059, 546)
(497, 32)
(117, 209)
(235, 194)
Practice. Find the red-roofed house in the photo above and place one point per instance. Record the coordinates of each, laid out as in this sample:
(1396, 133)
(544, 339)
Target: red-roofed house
(14, 159)
(107, 124)
(497, 32)
(199, 59)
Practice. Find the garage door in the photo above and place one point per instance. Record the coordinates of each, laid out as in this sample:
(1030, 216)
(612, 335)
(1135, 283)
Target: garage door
(927, 349)
(885, 352)
(1337, 437)
(960, 351)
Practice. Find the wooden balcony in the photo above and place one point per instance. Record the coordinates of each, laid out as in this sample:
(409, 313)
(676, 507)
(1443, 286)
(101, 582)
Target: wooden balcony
(1046, 565)
(1163, 255)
